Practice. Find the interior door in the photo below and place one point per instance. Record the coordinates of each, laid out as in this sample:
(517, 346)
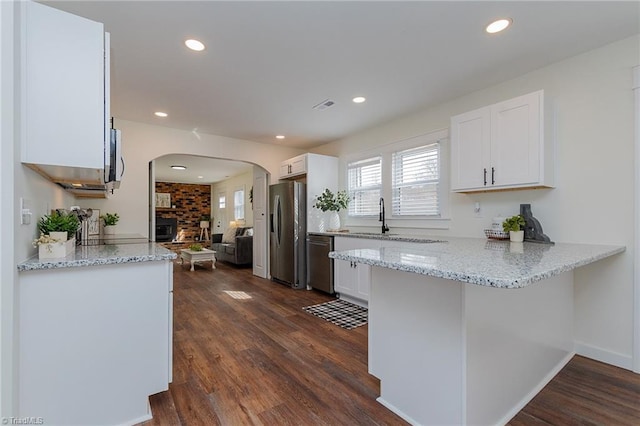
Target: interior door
(260, 228)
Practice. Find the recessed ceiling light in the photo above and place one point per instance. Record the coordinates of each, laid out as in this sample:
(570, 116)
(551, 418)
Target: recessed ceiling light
(161, 114)
(280, 137)
(178, 167)
(359, 99)
(200, 177)
(194, 45)
(498, 25)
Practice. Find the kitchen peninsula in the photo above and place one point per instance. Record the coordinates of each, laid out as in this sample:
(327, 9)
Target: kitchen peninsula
(95, 333)
(467, 331)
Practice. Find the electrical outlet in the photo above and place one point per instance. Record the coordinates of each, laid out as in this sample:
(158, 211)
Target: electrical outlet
(25, 211)
(477, 210)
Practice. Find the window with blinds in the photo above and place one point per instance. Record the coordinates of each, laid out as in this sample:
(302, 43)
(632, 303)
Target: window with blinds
(415, 181)
(364, 184)
(238, 204)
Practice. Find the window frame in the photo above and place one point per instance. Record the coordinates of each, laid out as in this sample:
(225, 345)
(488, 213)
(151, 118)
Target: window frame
(442, 221)
(242, 205)
(373, 160)
(395, 160)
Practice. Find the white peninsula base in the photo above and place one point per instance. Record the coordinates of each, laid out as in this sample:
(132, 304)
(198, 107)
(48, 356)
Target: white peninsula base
(95, 341)
(452, 353)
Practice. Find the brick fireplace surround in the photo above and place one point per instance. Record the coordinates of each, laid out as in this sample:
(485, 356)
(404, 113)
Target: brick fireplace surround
(191, 202)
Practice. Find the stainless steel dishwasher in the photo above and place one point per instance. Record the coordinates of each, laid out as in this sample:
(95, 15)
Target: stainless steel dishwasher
(319, 265)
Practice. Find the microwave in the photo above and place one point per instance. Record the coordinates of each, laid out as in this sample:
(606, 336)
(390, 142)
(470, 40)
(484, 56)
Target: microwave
(113, 161)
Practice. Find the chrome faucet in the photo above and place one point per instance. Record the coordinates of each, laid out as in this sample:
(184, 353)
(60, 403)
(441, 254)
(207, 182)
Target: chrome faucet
(385, 228)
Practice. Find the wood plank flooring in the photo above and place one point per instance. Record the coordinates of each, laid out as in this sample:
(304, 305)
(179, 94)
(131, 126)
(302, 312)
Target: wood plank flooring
(246, 354)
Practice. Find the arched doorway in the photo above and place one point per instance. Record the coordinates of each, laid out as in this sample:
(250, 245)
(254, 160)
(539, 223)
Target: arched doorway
(231, 182)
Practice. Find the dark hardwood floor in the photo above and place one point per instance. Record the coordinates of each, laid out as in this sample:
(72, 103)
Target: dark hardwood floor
(246, 354)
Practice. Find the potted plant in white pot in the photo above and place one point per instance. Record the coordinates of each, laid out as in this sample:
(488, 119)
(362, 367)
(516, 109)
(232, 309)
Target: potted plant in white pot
(59, 226)
(205, 221)
(328, 201)
(110, 220)
(514, 226)
(57, 235)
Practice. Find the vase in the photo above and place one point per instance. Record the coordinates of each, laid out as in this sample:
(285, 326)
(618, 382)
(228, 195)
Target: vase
(109, 229)
(334, 221)
(516, 236)
(59, 235)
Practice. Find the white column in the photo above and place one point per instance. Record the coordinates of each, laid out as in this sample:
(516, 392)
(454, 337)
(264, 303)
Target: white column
(636, 285)
(7, 212)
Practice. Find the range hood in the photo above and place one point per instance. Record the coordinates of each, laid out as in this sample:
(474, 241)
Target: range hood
(85, 182)
(88, 190)
(81, 182)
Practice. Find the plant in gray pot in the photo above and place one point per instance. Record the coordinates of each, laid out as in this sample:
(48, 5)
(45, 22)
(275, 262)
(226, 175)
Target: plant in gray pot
(514, 225)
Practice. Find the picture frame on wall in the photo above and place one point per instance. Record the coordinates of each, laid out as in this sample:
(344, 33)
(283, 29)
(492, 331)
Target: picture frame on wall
(163, 199)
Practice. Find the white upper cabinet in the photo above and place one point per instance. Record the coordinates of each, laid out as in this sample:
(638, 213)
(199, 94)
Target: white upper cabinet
(502, 146)
(64, 94)
(295, 166)
(318, 172)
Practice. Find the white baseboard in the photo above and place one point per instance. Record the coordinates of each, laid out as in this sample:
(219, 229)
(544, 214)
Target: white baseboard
(603, 355)
(544, 382)
(395, 410)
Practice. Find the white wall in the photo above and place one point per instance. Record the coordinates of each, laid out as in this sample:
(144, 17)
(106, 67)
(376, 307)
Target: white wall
(142, 143)
(228, 186)
(592, 101)
(7, 271)
(17, 182)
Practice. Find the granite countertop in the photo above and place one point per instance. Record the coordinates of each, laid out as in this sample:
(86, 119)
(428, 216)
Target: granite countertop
(101, 255)
(380, 236)
(484, 262)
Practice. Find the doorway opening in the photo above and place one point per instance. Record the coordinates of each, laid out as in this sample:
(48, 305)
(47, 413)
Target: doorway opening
(200, 200)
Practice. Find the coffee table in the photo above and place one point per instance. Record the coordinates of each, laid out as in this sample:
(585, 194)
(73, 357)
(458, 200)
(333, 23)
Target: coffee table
(198, 256)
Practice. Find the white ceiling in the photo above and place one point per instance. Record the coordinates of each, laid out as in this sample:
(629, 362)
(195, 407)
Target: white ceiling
(267, 63)
(210, 169)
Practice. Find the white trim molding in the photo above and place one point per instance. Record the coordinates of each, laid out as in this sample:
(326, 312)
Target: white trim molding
(636, 263)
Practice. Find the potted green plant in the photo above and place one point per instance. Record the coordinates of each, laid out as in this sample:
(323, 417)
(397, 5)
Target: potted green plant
(59, 226)
(514, 226)
(110, 220)
(205, 221)
(195, 247)
(328, 201)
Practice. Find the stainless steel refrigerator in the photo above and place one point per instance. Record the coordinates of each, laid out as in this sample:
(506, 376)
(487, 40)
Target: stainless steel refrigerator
(288, 230)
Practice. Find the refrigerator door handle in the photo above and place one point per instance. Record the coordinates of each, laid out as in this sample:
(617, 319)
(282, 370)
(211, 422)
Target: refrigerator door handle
(276, 219)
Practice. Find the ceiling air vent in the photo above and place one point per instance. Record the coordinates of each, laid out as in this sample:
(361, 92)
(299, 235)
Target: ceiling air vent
(324, 105)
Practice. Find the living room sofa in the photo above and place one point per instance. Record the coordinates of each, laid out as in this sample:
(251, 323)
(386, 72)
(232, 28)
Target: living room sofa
(234, 248)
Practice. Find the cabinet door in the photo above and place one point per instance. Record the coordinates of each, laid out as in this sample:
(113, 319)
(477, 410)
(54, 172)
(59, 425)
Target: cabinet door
(516, 141)
(470, 145)
(345, 279)
(285, 168)
(353, 279)
(62, 92)
(298, 165)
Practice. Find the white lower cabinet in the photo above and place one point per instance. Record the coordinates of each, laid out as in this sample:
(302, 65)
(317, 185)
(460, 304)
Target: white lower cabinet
(353, 280)
(95, 342)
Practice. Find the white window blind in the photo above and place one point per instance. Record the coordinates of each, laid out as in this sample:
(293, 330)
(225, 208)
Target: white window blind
(238, 204)
(416, 177)
(222, 201)
(364, 184)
